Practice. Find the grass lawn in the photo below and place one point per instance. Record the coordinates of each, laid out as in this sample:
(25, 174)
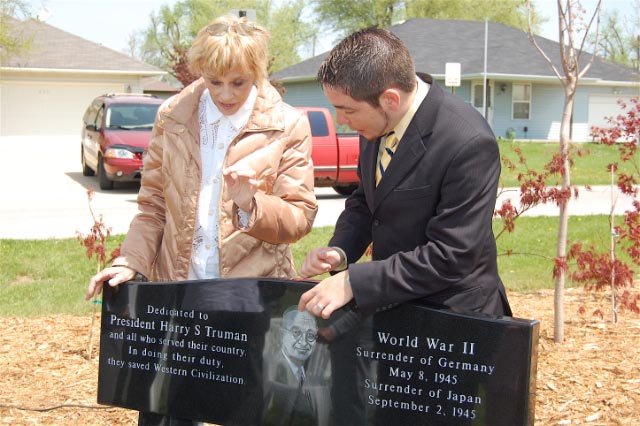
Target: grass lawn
(44, 277)
(588, 169)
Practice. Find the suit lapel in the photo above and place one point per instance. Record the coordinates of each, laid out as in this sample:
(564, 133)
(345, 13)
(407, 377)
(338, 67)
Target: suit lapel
(409, 153)
(413, 145)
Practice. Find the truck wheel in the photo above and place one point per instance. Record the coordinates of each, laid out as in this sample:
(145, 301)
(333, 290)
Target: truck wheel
(345, 189)
(104, 181)
(86, 170)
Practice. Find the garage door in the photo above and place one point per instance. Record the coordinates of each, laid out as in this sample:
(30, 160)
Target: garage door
(38, 108)
(603, 106)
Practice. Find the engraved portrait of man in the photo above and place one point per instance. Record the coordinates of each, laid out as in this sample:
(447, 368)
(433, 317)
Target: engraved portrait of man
(298, 340)
(295, 393)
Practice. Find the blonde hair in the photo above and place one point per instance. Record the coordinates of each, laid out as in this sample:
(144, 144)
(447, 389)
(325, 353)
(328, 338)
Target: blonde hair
(230, 43)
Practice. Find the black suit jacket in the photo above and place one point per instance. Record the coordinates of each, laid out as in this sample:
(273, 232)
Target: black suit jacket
(430, 218)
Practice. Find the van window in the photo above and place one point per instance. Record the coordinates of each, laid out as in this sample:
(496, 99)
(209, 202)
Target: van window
(89, 116)
(318, 123)
(99, 118)
(131, 116)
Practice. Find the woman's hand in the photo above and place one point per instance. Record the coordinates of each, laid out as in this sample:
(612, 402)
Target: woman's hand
(115, 275)
(242, 186)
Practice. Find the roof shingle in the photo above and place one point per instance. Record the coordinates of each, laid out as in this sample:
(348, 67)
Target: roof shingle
(510, 53)
(53, 48)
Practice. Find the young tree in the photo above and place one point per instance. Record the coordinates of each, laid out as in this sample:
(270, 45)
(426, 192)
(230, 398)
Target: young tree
(289, 31)
(619, 38)
(168, 37)
(508, 12)
(290, 35)
(599, 271)
(571, 27)
(135, 45)
(348, 16)
(345, 17)
(167, 40)
(12, 41)
(94, 243)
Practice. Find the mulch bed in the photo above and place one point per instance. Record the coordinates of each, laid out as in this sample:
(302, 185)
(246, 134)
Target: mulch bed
(592, 378)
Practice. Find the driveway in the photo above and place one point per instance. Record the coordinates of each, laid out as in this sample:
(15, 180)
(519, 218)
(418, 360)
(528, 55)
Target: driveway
(44, 194)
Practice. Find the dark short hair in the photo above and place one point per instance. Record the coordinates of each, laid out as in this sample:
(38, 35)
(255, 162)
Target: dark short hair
(367, 63)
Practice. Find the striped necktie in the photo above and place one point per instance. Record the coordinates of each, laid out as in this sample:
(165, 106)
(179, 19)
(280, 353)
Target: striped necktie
(390, 145)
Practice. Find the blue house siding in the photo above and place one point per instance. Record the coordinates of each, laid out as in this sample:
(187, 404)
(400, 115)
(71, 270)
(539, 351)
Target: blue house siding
(463, 91)
(501, 121)
(543, 106)
(545, 114)
(307, 94)
(547, 101)
(512, 58)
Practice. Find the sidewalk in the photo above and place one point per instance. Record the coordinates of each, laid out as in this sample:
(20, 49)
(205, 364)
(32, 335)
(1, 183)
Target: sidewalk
(593, 201)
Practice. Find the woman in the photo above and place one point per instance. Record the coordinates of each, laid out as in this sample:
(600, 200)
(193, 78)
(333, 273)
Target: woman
(228, 178)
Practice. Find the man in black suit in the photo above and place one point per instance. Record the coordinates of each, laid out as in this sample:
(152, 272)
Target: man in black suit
(429, 168)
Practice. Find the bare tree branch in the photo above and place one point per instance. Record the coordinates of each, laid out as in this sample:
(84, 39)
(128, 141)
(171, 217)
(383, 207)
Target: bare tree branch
(596, 15)
(535, 42)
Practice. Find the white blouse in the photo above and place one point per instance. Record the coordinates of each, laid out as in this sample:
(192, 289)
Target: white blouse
(216, 133)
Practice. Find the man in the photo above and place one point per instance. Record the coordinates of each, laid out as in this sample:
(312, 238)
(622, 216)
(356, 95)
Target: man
(429, 168)
(293, 397)
(298, 340)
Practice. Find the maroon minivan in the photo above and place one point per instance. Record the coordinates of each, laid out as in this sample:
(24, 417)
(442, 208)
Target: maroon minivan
(115, 133)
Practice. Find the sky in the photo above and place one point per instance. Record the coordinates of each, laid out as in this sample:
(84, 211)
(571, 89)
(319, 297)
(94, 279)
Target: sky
(107, 22)
(110, 22)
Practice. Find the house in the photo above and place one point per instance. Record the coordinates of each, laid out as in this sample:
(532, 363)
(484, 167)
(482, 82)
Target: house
(524, 98)
(46, 90)
(158, 87)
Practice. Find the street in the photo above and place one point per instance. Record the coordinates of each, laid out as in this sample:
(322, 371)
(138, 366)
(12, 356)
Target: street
(44, 194)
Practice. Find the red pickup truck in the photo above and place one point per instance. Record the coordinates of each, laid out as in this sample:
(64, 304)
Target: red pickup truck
(335, 155)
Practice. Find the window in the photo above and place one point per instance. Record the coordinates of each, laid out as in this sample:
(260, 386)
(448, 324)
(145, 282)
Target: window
(89, 116)
(521, 100)
(132, 116)
(318, 124)
(478, 91)
(99, 118)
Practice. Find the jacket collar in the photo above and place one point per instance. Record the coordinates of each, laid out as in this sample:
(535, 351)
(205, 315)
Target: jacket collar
(409, 152)
(182, 109)
(237, 119)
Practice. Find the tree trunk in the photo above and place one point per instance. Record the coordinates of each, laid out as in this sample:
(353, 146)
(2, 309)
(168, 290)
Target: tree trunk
(561, 252)
(569, 11)
(563, 219)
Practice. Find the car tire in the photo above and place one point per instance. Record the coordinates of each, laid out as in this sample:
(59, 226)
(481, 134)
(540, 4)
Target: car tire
(86, 170)
(345, 189)
(103, 180)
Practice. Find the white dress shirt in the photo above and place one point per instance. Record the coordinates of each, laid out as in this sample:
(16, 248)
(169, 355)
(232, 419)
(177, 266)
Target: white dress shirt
(217, 131)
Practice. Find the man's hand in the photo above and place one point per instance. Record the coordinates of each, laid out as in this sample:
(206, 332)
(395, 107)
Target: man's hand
(115, 275)
(242, 186)
(328, 295)
(320, 260)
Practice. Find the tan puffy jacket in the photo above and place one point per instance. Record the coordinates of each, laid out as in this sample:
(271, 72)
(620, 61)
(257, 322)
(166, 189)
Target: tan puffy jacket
(276, 143)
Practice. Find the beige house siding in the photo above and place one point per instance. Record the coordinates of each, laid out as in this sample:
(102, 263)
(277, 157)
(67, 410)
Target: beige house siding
(39, 105)
(47, 89)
